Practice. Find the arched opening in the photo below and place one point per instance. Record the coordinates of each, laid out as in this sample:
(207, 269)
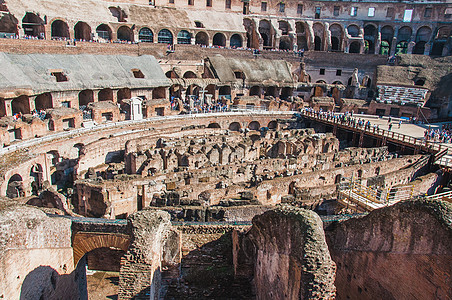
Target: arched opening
(193, 90)
(59, 29)
(104, 32)
(15, 187)
(387, 33)
(355, 47)
(235, 126)
(302, 41)
(236, 41)
(267, 32)
(336, 37)
(36, 174)
(214, 125)
(105, 95)
(419, 48)
(402, 47)
(285, 43)
(360, 174)
(272, 125)
(404, 34)
(123, 94)
(437, 48)
(43, 101)
(202, 38)
(184, 37)
(82, 31)
(190, 74)
(255, 91)
(21, 105)
(252, 37)
(338, 178)
(33, 26)
(419, 82)
(8, 25)
(145, 35)
(85, 97)
(165, 37)
(317, 44)
(219, 40)
(125, 34)
(224, 91)
(370, 36)
(286, 92)
(353, 30)
(271, 91)
(377, 171)
(254, 125)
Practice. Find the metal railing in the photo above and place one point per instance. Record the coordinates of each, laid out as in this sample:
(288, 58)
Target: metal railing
(335, 119)
(441, 196)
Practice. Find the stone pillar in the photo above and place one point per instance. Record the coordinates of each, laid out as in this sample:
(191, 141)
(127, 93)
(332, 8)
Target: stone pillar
(327, 37)
(310, 35)
(394, 42)
(410, 47)
(378, 41)
(8, 107)
(427, 49)
(96, 95)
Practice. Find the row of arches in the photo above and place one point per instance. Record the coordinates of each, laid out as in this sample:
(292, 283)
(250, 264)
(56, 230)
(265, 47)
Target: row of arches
(34, 26)
(253, 125)
(370, 39)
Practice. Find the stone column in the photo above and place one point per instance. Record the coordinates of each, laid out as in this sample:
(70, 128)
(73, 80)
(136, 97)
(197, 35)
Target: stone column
(327, 37)
(310, 35)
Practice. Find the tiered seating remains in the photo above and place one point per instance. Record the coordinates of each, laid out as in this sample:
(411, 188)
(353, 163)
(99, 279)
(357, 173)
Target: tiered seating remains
(401, 95)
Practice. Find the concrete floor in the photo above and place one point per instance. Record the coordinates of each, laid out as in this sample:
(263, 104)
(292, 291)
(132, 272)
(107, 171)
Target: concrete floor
(102, 285)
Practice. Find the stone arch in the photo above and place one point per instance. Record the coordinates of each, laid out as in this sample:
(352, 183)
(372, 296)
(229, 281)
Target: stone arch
(360, 174)
(8, 24)
(336, 37)
(377, 171)
(82, 31)
(33, 25)
(267, 33)
(285, 43)
(235, 126)
(201, 38)
(189, 74)
(254, 125)
(83, 243)
(184, 37)
(370, 37)
(219, 39)
(271, 91)
(171, 74)
(236, 41)
(21, 105)
(104, 32)
(105, 94)
(353, 30)
(404, 34)
(36, 172)
(124, 33)
(43, 101)
(338, 178)
(224, 91)
(319, 33)
(59, 29)
(302, 40)
(272, 124)
(423, 35)
(15, 187)
(165, 37)
(123, 93)
(355, 47)
(145, 35)
(85, 97)
(214, 125)
(255, 91)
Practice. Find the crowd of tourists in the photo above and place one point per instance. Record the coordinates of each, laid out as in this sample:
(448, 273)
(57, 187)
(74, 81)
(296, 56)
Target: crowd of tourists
(443, 135)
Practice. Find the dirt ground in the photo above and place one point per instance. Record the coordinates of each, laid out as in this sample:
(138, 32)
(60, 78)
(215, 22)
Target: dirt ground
(102, 285)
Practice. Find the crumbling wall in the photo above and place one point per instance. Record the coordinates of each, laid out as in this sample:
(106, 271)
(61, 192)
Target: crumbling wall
(399, 252)
(140, 272)
(36, 257)
(289, 257)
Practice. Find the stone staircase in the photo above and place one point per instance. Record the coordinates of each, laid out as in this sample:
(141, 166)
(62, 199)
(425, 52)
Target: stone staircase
(401, 95)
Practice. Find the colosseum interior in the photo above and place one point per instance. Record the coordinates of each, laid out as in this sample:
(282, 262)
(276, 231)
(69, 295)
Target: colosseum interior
(201, 149)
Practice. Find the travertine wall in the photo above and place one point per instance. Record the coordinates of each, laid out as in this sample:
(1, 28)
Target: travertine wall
(398, 252)
(287, 252)
(36, 257)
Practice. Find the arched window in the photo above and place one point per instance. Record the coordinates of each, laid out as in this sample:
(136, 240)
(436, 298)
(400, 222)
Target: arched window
(145, 35)
(353, 30)
(201, 38)
(104, 32)
(219, 39)
(355, 47)
(82, 31)
(184, 37)
(33, 25)
(236, 40)
(165, 37)
(59, 29)
(125, 34)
